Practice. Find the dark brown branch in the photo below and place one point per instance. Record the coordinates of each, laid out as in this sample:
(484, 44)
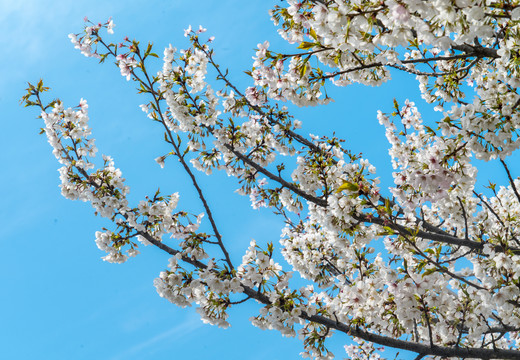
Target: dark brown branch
(276, 178)
(366, 335)
(476, 52)
(434, 74)
(511, 181)
(415, 347)
(447, 239)
(171, 251)
(465, 219)
(489, 208)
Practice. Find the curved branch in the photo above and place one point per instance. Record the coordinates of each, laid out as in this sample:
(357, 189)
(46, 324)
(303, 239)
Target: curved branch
(276, 178)
(478, 52)
(396, 343)
(447, 239)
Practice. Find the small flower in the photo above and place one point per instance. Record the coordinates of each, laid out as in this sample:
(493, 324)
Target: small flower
(400, 14)
(110, 26)
(132, 252)
(187, 31)
(73, 38)
(160, 161)
(126, 65)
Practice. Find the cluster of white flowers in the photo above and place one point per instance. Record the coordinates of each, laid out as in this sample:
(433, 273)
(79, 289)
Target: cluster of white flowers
(68, 133)
(257, 267)
(292, 85)
(205, 288)
(434, 177)
(363, 350)
(105, 241)
(84, 43)
(426, 173)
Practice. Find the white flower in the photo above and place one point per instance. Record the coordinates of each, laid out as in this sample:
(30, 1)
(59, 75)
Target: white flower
(400, 14)
(110, 26)
(160, 160)
(187, 31)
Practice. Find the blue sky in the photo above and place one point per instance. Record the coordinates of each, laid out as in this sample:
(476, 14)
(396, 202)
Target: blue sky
(59, 300)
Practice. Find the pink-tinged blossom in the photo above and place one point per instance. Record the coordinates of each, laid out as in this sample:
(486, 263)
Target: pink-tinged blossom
(126, 65)
(254, 96)
(400, 14)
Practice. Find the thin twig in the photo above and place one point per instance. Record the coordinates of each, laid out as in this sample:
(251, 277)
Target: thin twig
(511, 181)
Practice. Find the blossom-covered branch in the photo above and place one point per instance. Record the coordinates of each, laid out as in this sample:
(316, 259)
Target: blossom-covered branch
(429, 264)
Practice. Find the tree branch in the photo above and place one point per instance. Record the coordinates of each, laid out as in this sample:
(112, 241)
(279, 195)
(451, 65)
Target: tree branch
(157, 98)
(478, 52)
(511, 181)
(276, 178)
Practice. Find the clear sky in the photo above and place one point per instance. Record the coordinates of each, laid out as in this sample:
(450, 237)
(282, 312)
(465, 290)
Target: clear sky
(59, 300)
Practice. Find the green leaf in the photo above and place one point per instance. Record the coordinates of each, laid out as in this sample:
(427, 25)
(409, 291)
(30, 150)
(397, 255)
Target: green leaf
(348, 186)
(312, 33)
(429, 271)
(389, 230)
(429, 130)
(303, 70)
(305, 45)
(388, 207)
(148, 49)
